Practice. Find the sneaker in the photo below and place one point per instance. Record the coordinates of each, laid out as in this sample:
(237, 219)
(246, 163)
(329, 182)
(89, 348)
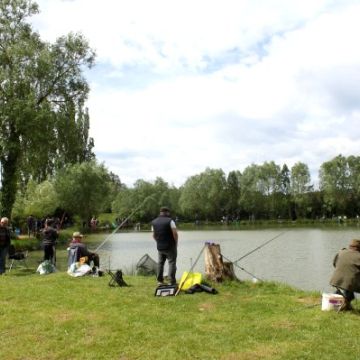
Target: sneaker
(161, 283)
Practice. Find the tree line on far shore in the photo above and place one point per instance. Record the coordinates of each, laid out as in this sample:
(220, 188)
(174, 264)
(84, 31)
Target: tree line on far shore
(259, 192)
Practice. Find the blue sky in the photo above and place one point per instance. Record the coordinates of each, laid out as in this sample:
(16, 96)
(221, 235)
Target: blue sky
(180, 86)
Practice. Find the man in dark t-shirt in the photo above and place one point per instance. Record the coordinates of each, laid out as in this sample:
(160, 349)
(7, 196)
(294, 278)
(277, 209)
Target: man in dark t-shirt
(50, 236)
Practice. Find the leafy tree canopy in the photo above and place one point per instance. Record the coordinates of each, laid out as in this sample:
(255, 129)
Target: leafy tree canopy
(43, 122)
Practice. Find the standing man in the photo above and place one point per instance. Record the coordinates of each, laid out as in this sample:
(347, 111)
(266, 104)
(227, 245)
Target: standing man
(346, 277)
(50, 236)
(166, 236)
(4, 242)
(30, 224)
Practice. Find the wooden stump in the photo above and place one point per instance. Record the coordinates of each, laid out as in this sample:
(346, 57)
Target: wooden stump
(215, 268)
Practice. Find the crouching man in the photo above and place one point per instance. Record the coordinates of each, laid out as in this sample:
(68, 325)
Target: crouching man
(346, 276)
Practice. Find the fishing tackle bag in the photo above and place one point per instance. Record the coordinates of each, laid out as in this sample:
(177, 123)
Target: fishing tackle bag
(166, 290)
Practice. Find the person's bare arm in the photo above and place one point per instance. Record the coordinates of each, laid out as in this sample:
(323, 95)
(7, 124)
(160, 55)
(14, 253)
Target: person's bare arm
(176, 235)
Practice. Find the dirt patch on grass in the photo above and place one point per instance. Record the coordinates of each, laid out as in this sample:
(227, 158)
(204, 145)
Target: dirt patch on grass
(284, 324)
(261, 352)
(63, 317)
(207, 307)
(308, 300)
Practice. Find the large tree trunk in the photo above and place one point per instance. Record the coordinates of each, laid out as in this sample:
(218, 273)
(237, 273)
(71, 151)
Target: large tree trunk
(9, 180)
(215, 268)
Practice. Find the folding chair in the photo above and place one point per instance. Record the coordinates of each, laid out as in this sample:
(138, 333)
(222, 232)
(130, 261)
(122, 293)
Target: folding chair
(73, 256)
(117, 279)
(17, 256)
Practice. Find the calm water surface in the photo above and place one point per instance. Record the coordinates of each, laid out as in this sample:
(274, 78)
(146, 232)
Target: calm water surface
(298, 257)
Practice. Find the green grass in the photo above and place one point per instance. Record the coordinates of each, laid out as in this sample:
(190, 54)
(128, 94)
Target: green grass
(59, 317)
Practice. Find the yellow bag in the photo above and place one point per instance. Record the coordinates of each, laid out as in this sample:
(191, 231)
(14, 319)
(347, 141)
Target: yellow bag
(189, 279)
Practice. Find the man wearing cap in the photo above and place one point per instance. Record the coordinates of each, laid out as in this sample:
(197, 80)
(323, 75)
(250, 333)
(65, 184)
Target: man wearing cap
(166, 236)
(4, 242)
(82, 250)
(346, 277)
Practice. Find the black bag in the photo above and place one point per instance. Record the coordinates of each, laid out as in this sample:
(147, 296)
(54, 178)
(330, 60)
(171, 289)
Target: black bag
(166, 290)
(201, 287)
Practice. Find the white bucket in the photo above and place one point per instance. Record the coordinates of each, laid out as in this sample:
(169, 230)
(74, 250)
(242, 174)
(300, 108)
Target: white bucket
(331, 302)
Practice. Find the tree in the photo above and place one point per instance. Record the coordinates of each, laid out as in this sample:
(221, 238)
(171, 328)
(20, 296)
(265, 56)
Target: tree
(285, 207)
(39, 200)
(204, 195)
(354, 173)
(252, 198)
(233, 193)
(42, 93)
(270, 185)
(83, 189)
(340, 184)
(300, 186)
(146, 197)
(115, 187)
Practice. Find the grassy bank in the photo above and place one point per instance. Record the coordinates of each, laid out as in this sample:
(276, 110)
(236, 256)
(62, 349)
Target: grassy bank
(58, 317)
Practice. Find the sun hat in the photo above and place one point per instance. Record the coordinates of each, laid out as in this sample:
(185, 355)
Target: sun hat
(355, 244)
(77, 234)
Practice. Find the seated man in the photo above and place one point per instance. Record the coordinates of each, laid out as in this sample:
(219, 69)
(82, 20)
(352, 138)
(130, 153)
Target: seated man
(346, 277)
(77, 250)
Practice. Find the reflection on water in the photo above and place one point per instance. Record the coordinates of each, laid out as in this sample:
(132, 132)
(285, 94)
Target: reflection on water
(298, 257)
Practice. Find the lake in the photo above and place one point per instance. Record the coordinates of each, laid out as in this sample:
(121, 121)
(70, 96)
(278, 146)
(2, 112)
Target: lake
(300, 257)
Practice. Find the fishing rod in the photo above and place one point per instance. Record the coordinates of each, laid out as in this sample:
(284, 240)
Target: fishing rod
(191, 269)
(241, 268)
(123, 222)
(311, 306)
(259, 247)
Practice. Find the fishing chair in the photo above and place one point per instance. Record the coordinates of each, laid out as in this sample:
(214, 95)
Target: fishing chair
(17, 256)
(117, 279)
(73, 255)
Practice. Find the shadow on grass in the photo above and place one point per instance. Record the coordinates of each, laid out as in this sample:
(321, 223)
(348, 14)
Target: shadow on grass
(21, 272)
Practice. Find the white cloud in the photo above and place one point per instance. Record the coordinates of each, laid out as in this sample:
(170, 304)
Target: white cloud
(185, 85)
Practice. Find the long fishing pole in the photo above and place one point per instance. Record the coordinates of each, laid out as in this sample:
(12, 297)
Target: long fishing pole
(259, 247)
(241, 268)
(123, 222)
(191, 269)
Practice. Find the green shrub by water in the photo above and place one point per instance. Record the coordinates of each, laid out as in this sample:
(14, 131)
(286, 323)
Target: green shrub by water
(59, 317)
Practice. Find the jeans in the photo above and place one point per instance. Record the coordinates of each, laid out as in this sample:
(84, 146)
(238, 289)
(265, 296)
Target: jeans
(3, 253)
(170, 255)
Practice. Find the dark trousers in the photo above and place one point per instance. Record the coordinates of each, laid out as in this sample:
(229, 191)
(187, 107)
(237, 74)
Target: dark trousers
(170, 255)
(3, 253)
(95, 259)
(49, 253)
(348, 295)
